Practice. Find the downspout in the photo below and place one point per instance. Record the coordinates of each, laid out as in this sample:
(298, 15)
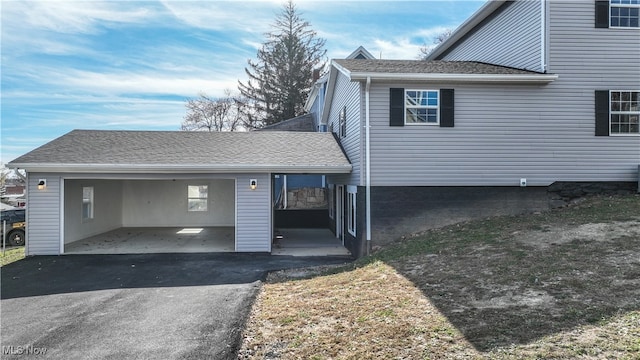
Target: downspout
(368, 170)
(543, 37)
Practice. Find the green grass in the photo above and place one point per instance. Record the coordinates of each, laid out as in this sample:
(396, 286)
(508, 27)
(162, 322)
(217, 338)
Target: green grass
(11, 255)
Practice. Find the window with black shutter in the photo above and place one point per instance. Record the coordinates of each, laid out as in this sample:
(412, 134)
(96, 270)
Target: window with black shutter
(421, 107)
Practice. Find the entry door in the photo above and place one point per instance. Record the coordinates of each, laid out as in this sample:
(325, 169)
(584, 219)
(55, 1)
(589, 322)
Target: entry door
(340, 212)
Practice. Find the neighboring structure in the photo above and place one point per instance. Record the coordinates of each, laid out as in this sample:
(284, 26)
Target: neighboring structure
(299, 123)
(523, 96)
(90, 182)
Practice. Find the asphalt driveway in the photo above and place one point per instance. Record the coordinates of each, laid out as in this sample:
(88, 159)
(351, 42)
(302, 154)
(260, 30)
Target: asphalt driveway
(157, 306)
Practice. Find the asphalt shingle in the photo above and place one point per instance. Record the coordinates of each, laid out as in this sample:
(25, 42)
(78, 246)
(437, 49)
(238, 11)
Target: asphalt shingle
(259, 149)
(428, 67)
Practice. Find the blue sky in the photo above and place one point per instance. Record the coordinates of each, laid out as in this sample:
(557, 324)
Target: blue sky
(132, 64)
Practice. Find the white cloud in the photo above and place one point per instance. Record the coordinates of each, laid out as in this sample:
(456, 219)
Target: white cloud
(251, 17)
(72, 16)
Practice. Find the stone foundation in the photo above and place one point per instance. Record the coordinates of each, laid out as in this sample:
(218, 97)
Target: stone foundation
(307, 198)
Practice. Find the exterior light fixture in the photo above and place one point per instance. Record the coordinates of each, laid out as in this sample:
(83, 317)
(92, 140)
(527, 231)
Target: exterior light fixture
(42, 183)
(253, 184)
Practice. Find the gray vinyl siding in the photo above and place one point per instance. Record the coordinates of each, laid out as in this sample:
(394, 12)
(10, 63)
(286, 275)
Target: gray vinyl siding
(501, 134)
(512, 38)
(253, 214)
(349, 94)
(43, 215)
(544, 133)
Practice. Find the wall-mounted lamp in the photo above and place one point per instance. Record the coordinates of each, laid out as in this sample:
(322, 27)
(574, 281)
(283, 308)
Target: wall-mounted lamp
(42, 183)
(253, 184)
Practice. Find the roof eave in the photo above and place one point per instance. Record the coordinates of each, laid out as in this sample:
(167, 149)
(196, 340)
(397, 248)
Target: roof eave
(462, 78)
(487, 9)
(182, 169)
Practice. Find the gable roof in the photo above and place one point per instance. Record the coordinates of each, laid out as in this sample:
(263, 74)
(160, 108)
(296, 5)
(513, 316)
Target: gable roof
(360, 53)
(467, 27)
(180, 152)
(436, 70)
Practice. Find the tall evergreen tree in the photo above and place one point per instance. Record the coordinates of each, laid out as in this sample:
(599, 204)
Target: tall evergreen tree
(281, 78)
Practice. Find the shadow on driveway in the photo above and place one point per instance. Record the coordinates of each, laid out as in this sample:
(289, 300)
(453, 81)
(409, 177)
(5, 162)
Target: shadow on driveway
(44, 275)
(152, 306)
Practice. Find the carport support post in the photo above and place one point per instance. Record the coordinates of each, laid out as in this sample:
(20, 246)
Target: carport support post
(4, 237)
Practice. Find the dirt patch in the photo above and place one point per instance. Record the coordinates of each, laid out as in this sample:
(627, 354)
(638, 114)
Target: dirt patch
(530, 284)
(557, 235)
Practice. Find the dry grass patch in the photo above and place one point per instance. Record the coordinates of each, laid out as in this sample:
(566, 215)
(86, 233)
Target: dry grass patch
(368, 313)
(563, 284)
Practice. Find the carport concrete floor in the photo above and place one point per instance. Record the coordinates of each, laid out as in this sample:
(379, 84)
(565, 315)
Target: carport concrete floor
(309, 242)
(142, 306)
(157, 240)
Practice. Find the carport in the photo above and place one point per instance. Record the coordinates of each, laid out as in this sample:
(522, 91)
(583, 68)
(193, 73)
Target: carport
(160, 191)
(151, 215)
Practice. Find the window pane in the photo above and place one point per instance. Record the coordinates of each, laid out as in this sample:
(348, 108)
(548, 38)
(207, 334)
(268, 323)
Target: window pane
(197, 205)
(198, 191)
(412, 98)
(197, 196)
(416, 116)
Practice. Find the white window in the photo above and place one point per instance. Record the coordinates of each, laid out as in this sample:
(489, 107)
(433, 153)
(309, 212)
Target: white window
(624, 112)
(351, 209)
(87, 203)
(422, 107)
(342, 121)
(197, 196)
(625, 13)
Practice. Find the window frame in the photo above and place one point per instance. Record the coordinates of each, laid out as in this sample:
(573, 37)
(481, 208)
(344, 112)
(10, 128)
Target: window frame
(90, 214)
(620, 112)
(627, 6)
(200, 198)
(352, 192)
(342, 122)
(437, 107)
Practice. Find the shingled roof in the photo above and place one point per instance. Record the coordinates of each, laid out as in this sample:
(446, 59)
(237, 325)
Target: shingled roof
(431, 67)
(178, 151)
(437, 70)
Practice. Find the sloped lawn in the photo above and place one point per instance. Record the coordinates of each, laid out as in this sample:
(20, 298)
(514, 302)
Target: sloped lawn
(563, 284)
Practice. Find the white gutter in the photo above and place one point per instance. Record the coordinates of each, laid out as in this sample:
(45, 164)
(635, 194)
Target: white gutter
(466, 78)
(543, 65)
(368, 159)
(183, 168)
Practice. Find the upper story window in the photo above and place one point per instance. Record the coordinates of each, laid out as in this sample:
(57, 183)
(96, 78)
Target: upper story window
(625, 112)
(422, 107)
(625, 13)
(342, 120)
(197, 197)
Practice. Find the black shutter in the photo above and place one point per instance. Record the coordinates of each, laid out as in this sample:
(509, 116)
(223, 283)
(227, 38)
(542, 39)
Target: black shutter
(602, 13)
(446, 107)
(602, 112)
(396, 107)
